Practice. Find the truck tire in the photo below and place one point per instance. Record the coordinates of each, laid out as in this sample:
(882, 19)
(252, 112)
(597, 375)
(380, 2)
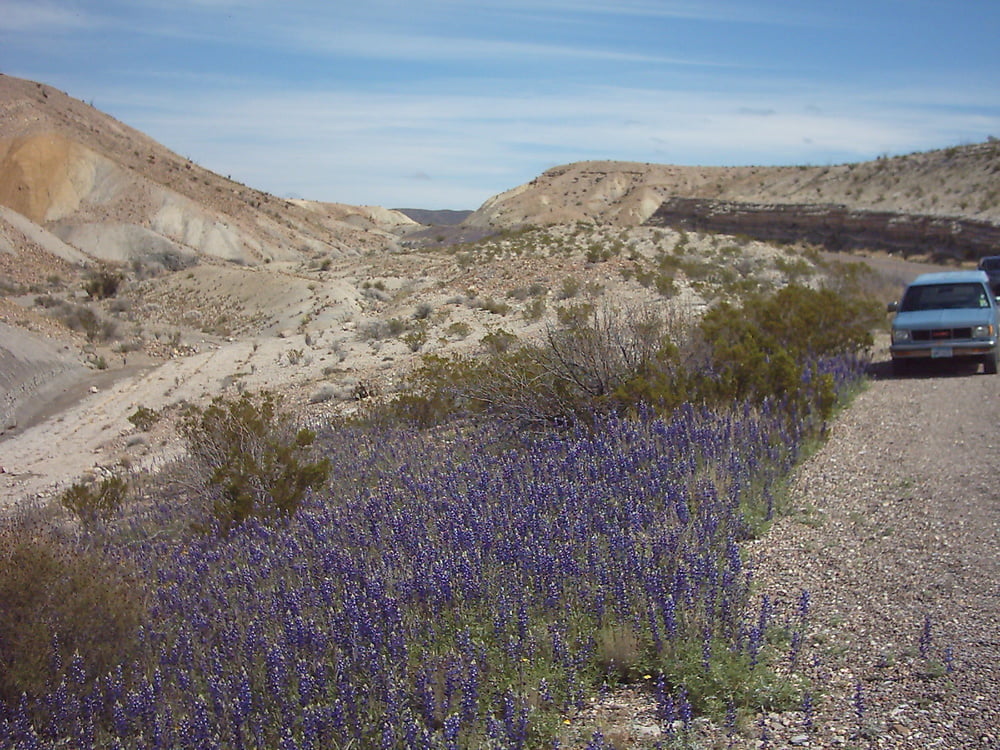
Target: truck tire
(990, 364)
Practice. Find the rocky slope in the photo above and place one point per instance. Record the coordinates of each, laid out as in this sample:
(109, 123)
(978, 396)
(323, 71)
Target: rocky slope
(834, 227)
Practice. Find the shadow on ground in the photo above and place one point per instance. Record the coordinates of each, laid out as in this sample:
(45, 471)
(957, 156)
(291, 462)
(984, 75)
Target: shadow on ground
(953, 368)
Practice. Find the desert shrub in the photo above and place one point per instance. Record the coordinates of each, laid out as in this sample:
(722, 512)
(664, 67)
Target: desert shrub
(598, 254)
(120, 305)
(765, 348)
(804, 322)
(420, 410)
(794, 269)
(569, 288)
(574, 314)
(144, 418)
(9, 287)
(415, 338)
(47, 301)
(521, 293)
(103, 284)
(535, 309)
(89, 502)
(665, 285)
(459, 329)
(572, 373)
(323, 393)
(396, 326)
(781, 347)
(82, 318)
(249, 460)
(373, 330)
(498, 341)
(592, 356)
(439, 390)
(494, 307)
(68, 608)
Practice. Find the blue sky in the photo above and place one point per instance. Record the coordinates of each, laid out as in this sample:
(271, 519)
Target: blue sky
(444, 103)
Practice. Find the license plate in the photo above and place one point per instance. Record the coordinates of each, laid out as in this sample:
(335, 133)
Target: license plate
(940, 352)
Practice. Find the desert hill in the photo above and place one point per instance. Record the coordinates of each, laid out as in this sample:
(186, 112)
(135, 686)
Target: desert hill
(132, 277)
(117, 195)
(962, 181)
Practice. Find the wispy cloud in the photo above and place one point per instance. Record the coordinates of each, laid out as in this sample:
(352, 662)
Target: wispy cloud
(355, 146)
(35, 16)
(781, 12)
(399, 46)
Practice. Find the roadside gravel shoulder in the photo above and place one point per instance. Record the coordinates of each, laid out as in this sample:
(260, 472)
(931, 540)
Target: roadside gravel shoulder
(893, 531)
(892, 527)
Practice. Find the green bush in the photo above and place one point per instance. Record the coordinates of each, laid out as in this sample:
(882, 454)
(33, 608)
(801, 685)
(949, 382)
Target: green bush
(573, 372)
(760, 349)
(248, 458)
(144, 418)
(569, 288)
(498, 341)
(89, 503)
(623, 359)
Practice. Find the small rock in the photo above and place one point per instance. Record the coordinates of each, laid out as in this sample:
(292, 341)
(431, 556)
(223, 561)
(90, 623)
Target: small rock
(800, 740)
(648, 731)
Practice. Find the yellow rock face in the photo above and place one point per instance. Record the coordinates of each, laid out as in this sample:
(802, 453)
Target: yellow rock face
(45, 177)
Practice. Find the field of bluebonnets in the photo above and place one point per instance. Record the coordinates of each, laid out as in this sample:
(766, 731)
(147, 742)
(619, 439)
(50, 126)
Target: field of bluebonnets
(468, 583)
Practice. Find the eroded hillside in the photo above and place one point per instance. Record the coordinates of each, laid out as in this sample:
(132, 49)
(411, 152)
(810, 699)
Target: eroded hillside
(963, 182)
(119, 196)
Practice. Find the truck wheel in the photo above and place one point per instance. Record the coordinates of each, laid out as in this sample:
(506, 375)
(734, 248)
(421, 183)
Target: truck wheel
(990, 363)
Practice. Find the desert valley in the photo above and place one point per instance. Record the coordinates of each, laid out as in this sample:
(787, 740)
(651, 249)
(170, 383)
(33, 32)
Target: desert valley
(636, 576)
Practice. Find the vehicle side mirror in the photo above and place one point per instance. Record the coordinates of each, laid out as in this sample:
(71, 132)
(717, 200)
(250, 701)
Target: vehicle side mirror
(892, 307)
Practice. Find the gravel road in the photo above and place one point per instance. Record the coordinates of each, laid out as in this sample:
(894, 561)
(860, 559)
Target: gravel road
(894, 533)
